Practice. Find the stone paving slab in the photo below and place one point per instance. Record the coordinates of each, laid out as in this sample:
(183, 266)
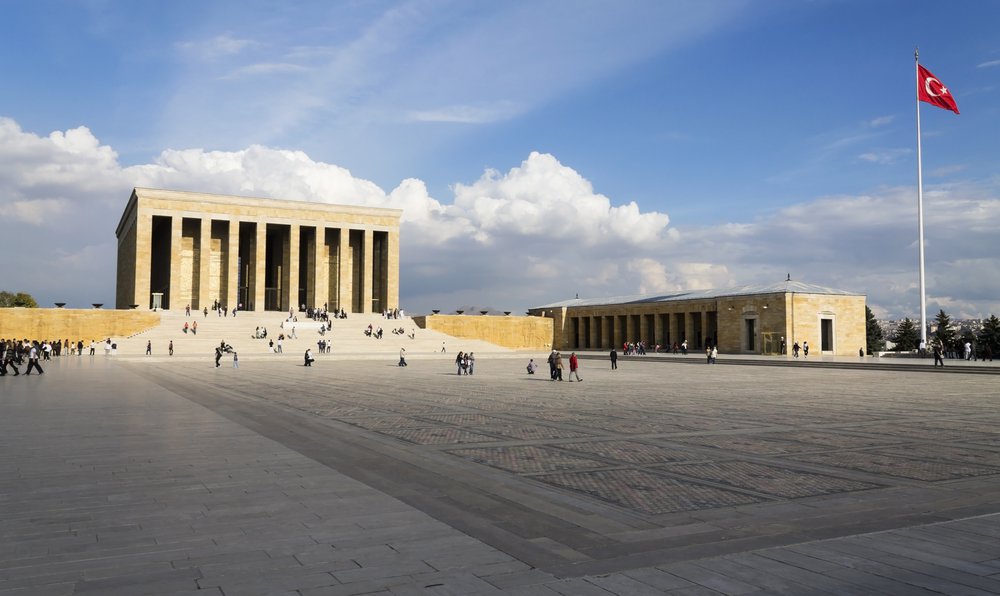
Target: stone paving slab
(178, 478)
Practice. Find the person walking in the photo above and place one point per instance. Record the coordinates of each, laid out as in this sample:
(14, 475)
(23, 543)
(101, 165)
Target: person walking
(236, 359)
(170, 348)
(805, 349)
(472, 362)
(308, 357)
(713, 355)
(574, 367)
(559, 366)
(194, 328)
(402, 357)
(33, 360)
(8, 357)
(218, 357)
(937, 355)
(149, 347)
(614, 359)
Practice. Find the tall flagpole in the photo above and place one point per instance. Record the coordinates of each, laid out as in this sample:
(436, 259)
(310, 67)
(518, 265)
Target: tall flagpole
(920, 206)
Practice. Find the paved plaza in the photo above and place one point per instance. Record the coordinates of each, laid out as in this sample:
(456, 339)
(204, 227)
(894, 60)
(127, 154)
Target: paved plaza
(131, 477)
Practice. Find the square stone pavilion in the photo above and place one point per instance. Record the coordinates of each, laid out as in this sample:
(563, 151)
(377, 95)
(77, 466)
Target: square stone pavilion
(177, 249)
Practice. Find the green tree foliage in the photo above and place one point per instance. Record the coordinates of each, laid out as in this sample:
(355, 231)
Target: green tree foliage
(907, 336)
(945, 334)
(989, 336)
(874, 342)
(10, 299)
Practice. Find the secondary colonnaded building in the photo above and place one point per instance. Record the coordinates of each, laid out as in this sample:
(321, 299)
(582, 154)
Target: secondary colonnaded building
(188, 248)
(744, 320)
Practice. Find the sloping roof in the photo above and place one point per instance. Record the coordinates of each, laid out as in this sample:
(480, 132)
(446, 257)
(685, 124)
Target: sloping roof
(783, 287)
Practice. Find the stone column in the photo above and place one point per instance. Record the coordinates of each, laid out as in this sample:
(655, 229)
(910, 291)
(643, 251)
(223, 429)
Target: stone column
(259, 266)
(233, 265)
(293, 267)
(204, 258)
(644, 330)
(143, 260)
(392, 271)
(675, 332)
(689, 329)
(367, 273)
(346, 268)
(619, 331)
(321, 269)
(705, 337)
(657, 329)
(592, 340)
(176, 231)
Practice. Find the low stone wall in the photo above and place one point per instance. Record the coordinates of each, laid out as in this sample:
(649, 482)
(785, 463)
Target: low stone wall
(516, 333)
(73, 324)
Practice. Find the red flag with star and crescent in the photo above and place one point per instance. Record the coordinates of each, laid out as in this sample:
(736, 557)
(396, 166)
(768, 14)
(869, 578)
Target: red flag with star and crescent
(933, 91)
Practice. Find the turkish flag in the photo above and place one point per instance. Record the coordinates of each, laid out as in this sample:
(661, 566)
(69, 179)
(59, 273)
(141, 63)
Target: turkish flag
(933, 91)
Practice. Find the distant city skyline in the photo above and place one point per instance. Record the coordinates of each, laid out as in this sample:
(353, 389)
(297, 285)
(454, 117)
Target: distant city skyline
(540, 150)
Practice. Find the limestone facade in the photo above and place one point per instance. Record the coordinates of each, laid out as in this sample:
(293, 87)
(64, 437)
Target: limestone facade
(746, 320)
(180, 248)
(516, 333)
(73, 324)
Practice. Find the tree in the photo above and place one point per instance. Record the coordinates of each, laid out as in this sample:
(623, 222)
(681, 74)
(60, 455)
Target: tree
(874, 342)
(989, 336)
(9, 299)
(907, 336)
(945, 334)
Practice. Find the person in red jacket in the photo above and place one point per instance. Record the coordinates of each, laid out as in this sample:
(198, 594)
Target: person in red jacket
(574, 366)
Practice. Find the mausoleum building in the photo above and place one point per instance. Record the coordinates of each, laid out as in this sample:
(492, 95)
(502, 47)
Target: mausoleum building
(756, 319)
(188, 248)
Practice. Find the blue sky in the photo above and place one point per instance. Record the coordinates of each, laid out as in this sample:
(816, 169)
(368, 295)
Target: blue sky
(599, 148)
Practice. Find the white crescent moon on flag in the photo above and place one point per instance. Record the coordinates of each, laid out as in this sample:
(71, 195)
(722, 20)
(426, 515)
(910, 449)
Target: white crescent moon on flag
(927, 87)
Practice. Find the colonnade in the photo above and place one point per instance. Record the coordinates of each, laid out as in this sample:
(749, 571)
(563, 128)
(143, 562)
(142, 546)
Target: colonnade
(180, 248)
(663, 328)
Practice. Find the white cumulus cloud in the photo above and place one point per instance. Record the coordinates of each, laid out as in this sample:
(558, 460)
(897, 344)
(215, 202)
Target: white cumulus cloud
(534, 234)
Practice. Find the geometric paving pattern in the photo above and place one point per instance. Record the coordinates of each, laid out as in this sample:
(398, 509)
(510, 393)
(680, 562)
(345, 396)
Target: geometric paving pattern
(526, 459)
(896, 465)
(437, 436)
(632, 452)
(648, 492)
(645, 449)
(745, 444)
(772, 480)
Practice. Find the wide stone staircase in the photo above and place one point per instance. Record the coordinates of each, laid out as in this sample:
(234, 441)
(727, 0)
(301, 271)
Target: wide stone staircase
(347, 339)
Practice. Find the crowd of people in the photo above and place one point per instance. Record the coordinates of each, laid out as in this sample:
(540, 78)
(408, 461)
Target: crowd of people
(16, 353)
